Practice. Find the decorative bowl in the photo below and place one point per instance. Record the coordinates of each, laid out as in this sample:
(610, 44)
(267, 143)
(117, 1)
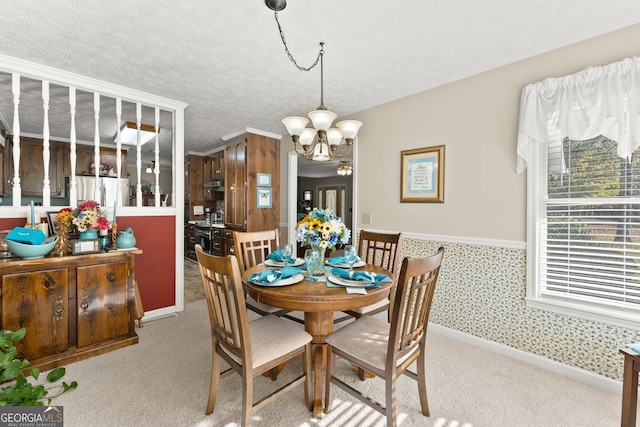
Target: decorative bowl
(26, 251)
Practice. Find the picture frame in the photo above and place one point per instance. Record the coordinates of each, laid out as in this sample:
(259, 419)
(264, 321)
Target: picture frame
(264, 198)
(88, 246)
(263, 179)
(422, 179)
(52, 223)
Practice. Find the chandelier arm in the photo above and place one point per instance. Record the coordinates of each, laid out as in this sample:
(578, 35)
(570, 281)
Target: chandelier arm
(308, 153)
(286, 49)
(334, 152)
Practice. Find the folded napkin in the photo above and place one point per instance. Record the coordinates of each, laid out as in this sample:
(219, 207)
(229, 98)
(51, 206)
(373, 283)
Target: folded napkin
(340, 260)
(365, 276)
(277, 256)
(635, 347)
(268, 276)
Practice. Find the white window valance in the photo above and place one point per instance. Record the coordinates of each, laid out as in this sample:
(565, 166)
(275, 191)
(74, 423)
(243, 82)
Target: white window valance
(603, 100)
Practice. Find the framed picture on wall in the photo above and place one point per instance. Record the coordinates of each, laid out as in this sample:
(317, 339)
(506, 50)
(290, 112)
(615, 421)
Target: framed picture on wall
(422, 179)
(264, 198)
(264, 179)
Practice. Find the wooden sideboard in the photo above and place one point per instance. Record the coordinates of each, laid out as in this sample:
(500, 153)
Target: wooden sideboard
(73, 307)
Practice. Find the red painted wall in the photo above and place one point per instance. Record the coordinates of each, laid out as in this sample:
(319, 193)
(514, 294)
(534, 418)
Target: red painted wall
(11, 223)
(155, 267)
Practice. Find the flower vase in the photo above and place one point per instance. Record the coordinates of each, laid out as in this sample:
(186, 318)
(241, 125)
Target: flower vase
(320, 270)
(63, 245)
(88, 235)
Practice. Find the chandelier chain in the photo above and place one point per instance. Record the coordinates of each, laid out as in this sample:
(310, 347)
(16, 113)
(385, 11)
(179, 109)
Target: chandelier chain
(286, 49)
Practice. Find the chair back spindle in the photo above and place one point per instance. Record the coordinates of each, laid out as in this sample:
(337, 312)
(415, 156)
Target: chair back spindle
(252, 247)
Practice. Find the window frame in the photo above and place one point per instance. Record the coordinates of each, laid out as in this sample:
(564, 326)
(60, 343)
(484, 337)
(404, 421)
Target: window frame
(536, 212)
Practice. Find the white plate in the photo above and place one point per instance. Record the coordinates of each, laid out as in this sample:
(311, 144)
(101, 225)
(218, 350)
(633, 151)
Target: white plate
(346, 282)
(344, 265)
(274, 263)
(296, 278)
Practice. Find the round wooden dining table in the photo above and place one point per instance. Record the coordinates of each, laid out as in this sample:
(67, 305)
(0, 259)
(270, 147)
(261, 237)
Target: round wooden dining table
(318, 302)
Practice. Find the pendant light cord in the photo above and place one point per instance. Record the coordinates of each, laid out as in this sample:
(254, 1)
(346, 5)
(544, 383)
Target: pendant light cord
(286, 49)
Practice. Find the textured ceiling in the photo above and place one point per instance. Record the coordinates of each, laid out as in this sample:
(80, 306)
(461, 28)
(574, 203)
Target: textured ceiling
(226, 60)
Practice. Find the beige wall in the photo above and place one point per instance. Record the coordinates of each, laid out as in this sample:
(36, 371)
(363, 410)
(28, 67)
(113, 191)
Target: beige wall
(481, 288)
(476, 119)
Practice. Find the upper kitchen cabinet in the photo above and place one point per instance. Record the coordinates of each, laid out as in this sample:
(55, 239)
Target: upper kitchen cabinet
(214, 176)
(252, 183)
(214, 167)
(194, 186)
(32, 167)
(86, 156)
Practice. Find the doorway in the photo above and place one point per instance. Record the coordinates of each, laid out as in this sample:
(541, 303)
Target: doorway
(293, 192)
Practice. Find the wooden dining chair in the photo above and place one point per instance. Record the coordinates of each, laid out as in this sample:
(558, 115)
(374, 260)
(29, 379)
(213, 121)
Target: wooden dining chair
(383, 250)
(388, 348)
(250, 348)
(251, 248)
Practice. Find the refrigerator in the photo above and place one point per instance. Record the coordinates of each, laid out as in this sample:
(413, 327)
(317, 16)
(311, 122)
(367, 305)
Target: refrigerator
(86, 187)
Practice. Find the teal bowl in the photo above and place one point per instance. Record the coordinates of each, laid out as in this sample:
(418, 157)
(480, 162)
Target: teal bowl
(26, 251)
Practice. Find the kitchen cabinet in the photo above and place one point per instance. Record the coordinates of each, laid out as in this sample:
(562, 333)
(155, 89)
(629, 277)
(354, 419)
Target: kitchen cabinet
(72, 307)
(194, 186)
(214, 167)
(32, 167)
(190, 241)
(85, 155)
(245, 157)
(213, 171)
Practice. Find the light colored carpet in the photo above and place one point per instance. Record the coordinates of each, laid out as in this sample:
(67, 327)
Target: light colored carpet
(164, 381)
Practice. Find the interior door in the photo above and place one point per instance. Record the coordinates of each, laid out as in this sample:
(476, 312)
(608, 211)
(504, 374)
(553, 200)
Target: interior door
(334, 198)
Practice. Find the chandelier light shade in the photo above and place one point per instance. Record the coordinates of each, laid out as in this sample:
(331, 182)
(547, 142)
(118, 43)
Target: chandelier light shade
(320, 143)
(345, 169)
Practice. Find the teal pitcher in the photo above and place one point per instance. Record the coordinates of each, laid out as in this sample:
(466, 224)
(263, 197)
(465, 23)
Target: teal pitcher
(126, 239)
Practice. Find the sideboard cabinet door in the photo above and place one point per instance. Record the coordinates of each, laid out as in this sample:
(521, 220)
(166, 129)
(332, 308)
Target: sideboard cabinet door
(37, 301)
(102, 302)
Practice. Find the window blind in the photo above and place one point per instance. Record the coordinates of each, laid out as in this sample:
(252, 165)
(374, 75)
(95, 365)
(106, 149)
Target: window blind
(590, 232)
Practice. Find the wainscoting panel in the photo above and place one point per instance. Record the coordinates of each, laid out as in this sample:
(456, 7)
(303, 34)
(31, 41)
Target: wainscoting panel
(481, 291)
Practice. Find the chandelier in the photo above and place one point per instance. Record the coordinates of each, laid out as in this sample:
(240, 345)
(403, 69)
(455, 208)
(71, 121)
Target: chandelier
(345, 169)
(321, 142)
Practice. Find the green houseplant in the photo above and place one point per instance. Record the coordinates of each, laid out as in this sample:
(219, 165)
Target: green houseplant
(19, 391)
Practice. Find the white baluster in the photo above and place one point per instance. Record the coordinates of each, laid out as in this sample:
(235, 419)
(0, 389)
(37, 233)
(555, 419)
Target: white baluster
(46, 154)
(156, 165)
(73, 186)
(15, 88)
(96, 151)
(118, 151)
(139, 155)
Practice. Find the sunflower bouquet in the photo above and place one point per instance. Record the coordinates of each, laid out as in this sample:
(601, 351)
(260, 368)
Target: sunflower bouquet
(321, 228)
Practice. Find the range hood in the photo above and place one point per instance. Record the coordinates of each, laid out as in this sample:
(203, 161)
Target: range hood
(217, 185)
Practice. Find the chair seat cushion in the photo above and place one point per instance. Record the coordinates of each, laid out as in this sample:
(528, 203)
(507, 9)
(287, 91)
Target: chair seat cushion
(250, 302)
(365, 339)
(272, 337)
(375, 306)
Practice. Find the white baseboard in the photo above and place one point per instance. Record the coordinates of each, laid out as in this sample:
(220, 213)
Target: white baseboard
(159, 313)
(551, 365)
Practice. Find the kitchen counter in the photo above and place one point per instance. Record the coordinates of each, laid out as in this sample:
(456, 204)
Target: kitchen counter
(206, 224)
